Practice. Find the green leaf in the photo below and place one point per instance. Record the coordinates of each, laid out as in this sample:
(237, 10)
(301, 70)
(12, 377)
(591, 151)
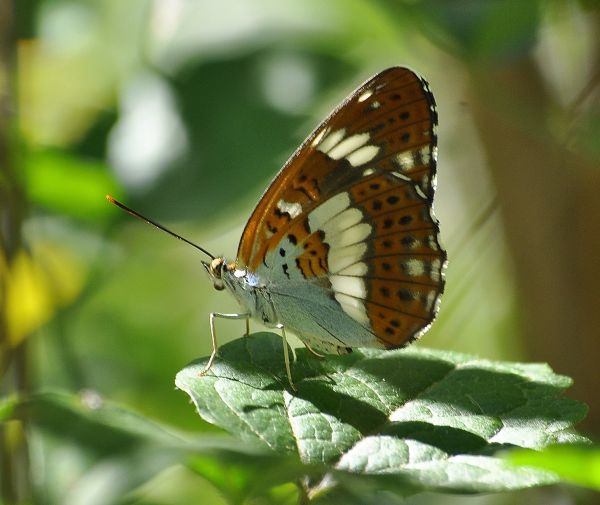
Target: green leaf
(100, 435)
(104, 430)
(482, 31)
(70, 185)
(238, 475)
(428, 419)
(7, 406)
(579, 464)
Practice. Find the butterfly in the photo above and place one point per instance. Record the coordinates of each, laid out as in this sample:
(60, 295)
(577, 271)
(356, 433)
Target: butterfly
(343, 247)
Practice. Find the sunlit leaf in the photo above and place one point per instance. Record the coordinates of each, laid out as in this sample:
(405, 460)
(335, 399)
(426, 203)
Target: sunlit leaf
(430, 418)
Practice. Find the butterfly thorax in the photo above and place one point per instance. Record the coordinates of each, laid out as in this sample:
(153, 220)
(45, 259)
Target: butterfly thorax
(246, 286)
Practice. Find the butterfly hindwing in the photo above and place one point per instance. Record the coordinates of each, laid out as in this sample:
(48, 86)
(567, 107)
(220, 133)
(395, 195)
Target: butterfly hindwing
(350, 216)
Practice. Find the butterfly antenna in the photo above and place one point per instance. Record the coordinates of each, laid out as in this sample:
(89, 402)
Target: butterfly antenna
(154, 223)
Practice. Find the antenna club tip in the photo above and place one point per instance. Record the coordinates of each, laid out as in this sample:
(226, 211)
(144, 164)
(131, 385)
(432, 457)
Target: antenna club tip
(110, 199)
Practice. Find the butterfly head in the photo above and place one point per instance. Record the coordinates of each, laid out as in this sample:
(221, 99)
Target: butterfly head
(215, 270)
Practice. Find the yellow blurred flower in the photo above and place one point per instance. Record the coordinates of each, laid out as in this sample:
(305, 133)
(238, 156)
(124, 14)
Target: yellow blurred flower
(36, 286)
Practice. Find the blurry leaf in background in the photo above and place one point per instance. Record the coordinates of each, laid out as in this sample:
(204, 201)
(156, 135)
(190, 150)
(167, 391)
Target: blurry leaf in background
(577, 464)
(590, 133)
(37, 286)
(479, 31)
(240, 476)
(104, 429)
(106, 452)
(100, 452)
(7, 407)
(70, 185)
(175, 485)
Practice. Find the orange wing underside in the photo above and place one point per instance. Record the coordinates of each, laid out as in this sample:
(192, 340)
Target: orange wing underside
(393, 190)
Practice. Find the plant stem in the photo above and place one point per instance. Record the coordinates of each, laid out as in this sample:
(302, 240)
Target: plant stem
(14, 377)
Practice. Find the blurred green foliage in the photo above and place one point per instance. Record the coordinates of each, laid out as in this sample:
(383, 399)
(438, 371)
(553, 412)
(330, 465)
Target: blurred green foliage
(69, 185)
(576, 464)
(186, 109)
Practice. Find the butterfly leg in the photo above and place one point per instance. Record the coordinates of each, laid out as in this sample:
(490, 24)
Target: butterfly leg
(312, 350)
(213, 335)
(286, 356)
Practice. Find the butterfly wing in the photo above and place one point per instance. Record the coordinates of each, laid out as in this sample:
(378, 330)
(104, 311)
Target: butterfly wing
(347, 223)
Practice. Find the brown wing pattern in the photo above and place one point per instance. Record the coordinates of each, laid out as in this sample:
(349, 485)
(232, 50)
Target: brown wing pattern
(395, 110)
(356, 201)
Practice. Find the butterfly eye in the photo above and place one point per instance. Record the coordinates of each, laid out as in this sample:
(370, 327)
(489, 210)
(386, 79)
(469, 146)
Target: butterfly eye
(216, 268)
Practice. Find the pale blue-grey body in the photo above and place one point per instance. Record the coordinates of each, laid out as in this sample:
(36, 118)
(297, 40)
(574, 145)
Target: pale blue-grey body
(278, 293)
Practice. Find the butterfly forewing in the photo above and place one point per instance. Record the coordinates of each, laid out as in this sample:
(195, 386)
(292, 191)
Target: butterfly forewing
(352, 210)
